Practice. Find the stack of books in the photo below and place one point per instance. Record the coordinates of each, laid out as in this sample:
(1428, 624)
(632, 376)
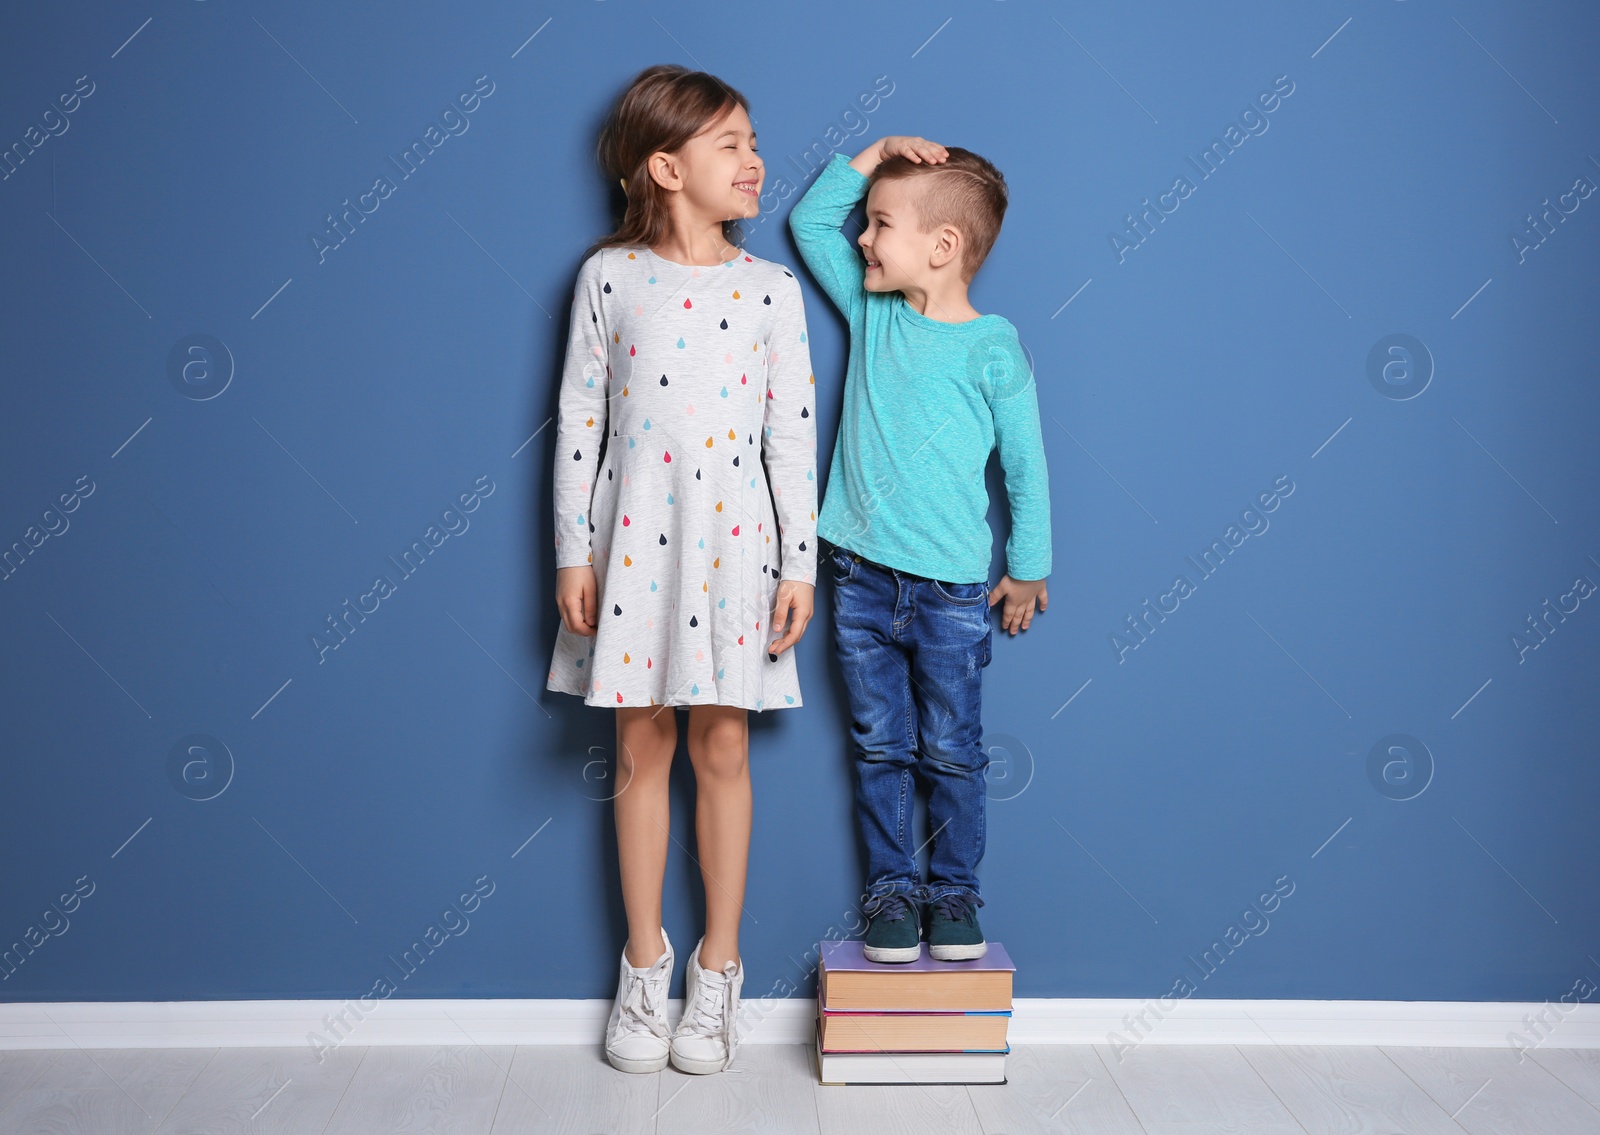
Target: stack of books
(921, 1022)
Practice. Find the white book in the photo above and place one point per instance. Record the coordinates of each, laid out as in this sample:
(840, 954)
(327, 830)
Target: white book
(911, 1067)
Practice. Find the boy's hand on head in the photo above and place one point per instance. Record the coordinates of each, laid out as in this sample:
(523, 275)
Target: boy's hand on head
(1018, 597)
(898, 145)
(577, 596)
(793, 606)
(913, 147)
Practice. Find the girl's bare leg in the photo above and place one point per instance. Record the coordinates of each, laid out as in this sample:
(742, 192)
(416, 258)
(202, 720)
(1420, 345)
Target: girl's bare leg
(647, 736)
(719, 747)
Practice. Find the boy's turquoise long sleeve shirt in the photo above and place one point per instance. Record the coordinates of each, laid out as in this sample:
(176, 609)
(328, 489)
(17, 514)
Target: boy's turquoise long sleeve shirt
(925, 403)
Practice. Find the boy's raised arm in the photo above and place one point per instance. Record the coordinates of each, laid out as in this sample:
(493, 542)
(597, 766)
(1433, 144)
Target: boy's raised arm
(816, 220)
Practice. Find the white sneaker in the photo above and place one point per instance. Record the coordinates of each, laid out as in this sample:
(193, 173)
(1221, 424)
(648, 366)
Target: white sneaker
(707, 1036)
(637, 1036)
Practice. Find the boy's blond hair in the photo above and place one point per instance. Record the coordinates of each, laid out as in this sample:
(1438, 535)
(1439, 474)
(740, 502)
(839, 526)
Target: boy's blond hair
(964, 190)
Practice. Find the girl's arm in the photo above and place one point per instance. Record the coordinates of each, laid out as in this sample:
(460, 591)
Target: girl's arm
(789, 437)
(581, 414)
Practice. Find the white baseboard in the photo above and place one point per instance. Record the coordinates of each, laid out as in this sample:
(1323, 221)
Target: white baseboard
(236, 1024)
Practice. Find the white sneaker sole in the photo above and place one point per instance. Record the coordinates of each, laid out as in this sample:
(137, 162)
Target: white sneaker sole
(623, 1064)
(695, 1067)
(892, 953)
(958, 953)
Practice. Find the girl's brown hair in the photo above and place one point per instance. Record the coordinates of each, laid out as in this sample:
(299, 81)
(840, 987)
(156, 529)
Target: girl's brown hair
(664, 107)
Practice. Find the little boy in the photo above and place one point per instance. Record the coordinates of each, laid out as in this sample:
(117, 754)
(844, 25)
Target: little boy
(932, 388)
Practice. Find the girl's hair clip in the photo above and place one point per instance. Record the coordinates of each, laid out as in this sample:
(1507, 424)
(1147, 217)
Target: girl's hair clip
(624, 182)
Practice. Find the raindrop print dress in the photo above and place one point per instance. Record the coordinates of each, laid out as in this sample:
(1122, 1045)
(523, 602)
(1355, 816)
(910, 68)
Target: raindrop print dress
(685, 475)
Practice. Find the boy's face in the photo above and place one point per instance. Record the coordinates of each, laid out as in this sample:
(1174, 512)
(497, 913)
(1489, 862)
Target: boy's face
(897, 251)
(722, 173)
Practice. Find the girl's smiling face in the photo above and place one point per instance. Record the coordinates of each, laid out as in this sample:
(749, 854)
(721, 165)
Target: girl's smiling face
(721, 171)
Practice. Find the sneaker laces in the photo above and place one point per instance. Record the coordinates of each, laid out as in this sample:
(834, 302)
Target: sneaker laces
(642, 1004)
(712, 1013)
(893, 908)
(955, 906)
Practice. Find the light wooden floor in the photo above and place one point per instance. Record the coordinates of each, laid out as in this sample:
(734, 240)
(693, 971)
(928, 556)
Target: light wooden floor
(1154, 1090)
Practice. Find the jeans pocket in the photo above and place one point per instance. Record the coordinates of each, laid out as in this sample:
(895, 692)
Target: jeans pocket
(843, 566)
(961, 594)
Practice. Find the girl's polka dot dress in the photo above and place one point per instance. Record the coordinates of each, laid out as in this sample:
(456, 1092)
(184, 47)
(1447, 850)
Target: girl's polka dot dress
(697, 380)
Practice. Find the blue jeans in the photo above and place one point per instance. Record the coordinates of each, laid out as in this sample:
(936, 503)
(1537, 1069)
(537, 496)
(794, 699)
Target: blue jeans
(913, 651)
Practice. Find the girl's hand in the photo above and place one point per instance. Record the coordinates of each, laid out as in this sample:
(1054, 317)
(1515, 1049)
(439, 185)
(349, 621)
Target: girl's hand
(906, 145)
(577, 597)
(794, 602)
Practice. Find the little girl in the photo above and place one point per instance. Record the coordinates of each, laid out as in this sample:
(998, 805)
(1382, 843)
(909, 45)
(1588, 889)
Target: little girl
(684, 548)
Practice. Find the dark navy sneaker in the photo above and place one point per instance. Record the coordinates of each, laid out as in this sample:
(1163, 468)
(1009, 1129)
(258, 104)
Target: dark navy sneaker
(894, 933)
(953, 931)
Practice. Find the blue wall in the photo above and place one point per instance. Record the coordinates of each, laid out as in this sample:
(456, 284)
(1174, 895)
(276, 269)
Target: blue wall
(246, 430)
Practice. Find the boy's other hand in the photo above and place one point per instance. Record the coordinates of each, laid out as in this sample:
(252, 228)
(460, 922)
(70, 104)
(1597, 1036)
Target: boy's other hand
(576, 597)
(794, 605)
(1018, 596)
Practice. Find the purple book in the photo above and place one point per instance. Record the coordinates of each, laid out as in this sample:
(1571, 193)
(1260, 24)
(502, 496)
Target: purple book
(849, 955)
(850, 981)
